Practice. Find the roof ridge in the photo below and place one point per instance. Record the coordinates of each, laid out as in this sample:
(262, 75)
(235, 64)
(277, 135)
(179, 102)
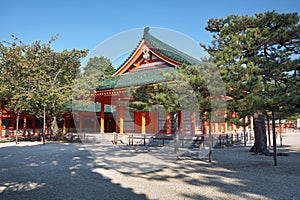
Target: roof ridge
(136, 78)
(163, 49)
(129, 55)
(154, 42)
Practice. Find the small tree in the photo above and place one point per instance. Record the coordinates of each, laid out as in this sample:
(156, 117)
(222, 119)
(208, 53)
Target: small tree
(197, 88)
(94, 72)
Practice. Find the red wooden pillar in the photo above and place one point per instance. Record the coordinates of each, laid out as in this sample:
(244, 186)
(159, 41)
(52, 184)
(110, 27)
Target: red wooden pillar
(102, 118)
(24, 125)
(233, 115)
(205, 126)
(13, 123)
(143, 130)
(121, 119)
(1, 123)
(64, 126)
(216, 127)
(168, 123)
(117, 119)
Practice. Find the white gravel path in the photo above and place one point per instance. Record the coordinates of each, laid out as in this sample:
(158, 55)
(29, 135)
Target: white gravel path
(68, 171)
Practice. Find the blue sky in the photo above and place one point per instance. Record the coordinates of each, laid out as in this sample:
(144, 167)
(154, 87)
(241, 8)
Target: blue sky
(83, 24)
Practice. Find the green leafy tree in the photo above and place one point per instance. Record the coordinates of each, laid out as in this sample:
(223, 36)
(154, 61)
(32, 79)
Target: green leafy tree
(35, 78)
(255, 56)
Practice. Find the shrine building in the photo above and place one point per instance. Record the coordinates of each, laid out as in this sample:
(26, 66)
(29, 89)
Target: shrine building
(145, 66)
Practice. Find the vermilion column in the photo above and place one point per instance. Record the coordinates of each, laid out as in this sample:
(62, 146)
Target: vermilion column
(168, 123)
(102, 118)
(121, 119)
(205, 127)
(24, 125)
(1, 123)
(225, 127)
(64, 126)
(117, 119)
(143, 122)
(233, 125)
(216, 127)
(13, 123)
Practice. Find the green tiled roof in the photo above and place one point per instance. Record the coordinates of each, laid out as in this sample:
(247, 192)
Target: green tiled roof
(167, 50)
(149, 76)
(91, 107)
(164, 49)
(137, 78)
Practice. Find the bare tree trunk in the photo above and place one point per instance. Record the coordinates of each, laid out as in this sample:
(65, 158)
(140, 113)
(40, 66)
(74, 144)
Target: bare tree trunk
(260, 142)
(54, 127)
(44, 128)
(17, 128)
(177, 128)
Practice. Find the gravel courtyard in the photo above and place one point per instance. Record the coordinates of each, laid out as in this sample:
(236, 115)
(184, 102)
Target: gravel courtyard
(31, 170)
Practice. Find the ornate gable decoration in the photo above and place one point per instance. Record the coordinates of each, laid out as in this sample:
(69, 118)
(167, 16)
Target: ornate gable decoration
(145, 56)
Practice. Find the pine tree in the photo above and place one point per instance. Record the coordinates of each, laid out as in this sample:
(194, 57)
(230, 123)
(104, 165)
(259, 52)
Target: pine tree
(255, 55)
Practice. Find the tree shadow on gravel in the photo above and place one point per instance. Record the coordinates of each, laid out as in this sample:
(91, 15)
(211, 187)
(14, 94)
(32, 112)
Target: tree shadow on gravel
(132, 159)
(55, 171)
(234, 174)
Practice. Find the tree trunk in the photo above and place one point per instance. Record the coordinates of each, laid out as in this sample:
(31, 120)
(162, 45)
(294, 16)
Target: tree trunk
(54, 128)
(260, 142)
(177, 118)
(44, 128)
(17, 128)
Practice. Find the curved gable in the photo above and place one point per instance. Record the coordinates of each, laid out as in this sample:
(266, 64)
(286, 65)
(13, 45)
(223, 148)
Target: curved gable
(145, 57)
